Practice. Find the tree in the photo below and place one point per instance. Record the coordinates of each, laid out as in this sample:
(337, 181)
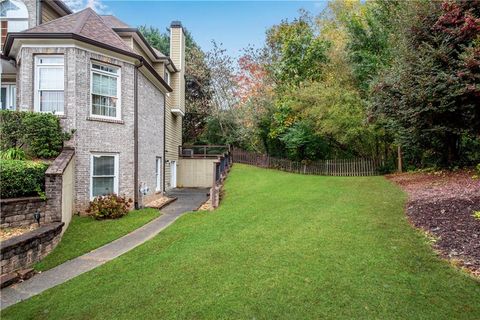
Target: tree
(198, 93)
(295, 51)
(157, 39)
(430, 94)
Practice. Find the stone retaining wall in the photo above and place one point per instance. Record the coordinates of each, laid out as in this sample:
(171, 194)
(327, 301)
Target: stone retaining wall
(23, 251)
(18, 212)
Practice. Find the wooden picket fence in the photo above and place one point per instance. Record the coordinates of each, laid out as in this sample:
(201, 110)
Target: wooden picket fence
(334, 167)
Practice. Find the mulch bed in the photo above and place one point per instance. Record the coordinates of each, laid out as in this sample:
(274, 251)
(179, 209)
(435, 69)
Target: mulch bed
(160, 202)
(7, 233)
(442, 204)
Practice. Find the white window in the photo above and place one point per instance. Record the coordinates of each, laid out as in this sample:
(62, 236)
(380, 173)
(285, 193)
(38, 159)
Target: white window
(49, 84)
(105, 89)
(167, 77)
(158, 174)
(8, 96)
(13, 17)
(103, 174)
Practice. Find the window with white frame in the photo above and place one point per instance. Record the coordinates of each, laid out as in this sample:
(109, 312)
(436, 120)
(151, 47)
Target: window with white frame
(49, 84)
(105, 90)
(166, 77)
(103, 174)
(158, 174)
(13, 18)
(8, 96)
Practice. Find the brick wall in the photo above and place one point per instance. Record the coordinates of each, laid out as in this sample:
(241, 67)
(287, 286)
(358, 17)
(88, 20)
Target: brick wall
(151, 103)
(92, 135)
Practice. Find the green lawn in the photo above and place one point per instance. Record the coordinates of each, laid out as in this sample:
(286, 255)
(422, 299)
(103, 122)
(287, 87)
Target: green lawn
(281, 246)
(85, 234)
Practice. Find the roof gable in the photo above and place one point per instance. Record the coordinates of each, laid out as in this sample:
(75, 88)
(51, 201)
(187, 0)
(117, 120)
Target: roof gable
(85, 23)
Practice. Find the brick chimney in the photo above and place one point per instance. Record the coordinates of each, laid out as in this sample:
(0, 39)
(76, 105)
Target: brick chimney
(177, 54)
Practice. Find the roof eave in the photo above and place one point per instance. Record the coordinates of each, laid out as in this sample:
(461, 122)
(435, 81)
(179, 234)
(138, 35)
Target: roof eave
(25, 35)
(142, 38)
(64, 7)
(59, 6)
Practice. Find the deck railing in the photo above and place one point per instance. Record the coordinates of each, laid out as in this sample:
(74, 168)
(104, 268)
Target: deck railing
(202, 151)
(220, 170)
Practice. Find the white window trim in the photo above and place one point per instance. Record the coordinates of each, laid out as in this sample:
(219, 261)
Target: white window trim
(158, 174)
(116, 170)
(119, 89)
(11, 96)
(36, 88)
(167, 77)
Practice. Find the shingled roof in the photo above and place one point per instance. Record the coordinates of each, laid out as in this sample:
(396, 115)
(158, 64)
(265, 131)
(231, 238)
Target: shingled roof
(114, 22)
(85, 23)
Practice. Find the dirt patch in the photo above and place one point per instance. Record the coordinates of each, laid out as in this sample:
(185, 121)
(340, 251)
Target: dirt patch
(206, 206)
(7, 233)
(442, 204)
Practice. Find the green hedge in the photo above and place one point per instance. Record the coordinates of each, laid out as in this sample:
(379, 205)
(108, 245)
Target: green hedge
(19, 178)
(39, 134)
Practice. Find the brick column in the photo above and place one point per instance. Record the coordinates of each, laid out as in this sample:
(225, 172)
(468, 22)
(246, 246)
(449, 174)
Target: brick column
(53, 185)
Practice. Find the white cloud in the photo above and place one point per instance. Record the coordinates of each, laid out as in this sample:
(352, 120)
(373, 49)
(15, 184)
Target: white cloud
(75, 5)
(97, 5)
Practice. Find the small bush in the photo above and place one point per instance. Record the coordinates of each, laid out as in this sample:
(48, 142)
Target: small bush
(13, 154)
(11, 129)
(476, 215)
(39, 134)
(21, 178)
(110, 206)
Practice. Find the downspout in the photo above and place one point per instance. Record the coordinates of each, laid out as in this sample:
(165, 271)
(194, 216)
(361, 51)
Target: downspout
(135, 136)
(39, 13)
(164, 141)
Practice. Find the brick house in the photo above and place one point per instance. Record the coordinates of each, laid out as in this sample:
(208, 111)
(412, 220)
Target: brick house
(124, 99)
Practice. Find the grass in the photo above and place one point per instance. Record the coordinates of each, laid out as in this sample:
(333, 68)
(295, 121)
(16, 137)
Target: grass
(281, 246)
(85, 234)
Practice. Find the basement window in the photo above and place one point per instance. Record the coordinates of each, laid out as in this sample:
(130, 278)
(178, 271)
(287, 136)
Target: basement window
(103, 174)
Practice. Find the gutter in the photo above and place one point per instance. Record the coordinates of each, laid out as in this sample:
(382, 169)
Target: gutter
(140, 35)
(63, 6)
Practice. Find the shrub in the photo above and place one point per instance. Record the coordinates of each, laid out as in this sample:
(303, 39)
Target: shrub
(11, 129)
(13, 154)
(39, 134)
(110, 206)
(21, 178)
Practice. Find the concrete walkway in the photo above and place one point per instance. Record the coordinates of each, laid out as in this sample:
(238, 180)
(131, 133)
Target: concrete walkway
(188, 200)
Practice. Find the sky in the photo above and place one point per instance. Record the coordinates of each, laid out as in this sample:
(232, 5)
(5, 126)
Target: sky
(234, 24)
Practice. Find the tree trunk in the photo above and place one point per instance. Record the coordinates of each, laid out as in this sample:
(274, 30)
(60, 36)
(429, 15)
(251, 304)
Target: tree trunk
(452, 149)
(399, 159)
